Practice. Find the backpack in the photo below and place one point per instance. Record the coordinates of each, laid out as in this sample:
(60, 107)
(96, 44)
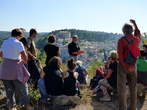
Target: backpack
(132, 53)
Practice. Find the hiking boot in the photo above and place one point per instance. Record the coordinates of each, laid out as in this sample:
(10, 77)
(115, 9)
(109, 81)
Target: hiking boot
(105, 99)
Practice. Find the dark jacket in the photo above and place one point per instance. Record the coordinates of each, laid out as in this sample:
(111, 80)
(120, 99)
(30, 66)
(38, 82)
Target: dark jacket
(53, 81)
(73, 47)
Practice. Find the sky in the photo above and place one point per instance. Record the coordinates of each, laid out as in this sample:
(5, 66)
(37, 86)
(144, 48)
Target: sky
(49, 15)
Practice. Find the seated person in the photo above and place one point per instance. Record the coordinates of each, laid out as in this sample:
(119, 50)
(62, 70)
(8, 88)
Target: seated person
(100, 74)
(82, 72)
(94, 81)
(70, 79)
(53, 78)
(110, 80)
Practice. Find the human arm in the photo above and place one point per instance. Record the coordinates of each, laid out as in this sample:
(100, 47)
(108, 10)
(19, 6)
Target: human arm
(1, 54)
(137, 31)
(58, 51)
(24, 57)
(31, 55)
(22, 52)
(108, 75)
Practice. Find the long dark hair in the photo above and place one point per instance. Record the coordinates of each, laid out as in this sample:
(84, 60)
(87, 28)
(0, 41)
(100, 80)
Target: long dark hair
(55, 63)
(71, 64)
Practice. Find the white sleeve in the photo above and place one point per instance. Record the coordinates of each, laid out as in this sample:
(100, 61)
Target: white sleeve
(20, 47)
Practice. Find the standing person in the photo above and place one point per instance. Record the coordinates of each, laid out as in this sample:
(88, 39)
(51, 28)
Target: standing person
(13, 73)
(51, 49)
(145, 51)
(32, 57)
(128, 52)
(74, 47)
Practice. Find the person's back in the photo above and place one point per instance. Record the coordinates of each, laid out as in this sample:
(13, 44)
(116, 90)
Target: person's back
(70, 84)
(70, 81)
(12, 46)
(53, 81)
(13, 73)
(51, 50)
(128, 52)
(82, 74)
(53, 77)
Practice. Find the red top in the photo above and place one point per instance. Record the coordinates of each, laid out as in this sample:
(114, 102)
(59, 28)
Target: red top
(123, 47)
(100, 71)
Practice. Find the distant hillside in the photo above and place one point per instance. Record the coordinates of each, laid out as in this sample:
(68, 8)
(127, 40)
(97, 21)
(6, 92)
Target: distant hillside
(91, 35)
(83, 35)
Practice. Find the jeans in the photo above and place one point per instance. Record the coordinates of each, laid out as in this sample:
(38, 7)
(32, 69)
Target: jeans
(131, 78)
(42, 89)
(16, 88)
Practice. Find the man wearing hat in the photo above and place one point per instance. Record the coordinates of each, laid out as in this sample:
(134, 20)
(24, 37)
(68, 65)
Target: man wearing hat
(73, 47)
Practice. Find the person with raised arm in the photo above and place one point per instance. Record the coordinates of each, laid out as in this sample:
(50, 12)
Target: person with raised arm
(128, 52)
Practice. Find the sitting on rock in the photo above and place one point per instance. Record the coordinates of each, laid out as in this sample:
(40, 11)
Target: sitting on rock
(70, 80)
(53, 78)
(110, 80)
(82, 77)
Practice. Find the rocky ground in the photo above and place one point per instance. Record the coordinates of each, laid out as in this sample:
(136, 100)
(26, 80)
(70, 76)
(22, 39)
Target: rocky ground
(87, 102)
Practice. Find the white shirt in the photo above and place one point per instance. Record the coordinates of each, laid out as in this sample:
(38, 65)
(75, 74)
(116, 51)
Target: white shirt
(11, 48)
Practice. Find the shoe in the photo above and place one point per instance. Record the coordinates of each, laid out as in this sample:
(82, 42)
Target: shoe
(29, 107)
(105, 99)
(14, 108)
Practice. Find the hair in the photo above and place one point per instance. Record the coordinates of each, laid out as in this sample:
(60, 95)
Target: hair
(79, 62)
(127, 29)
(74, 36)
(33, 31)
(142, 53)
(145, 46)
(113, 55)
(16, 32)
(51, 39)
(71, 64)
(55, 63)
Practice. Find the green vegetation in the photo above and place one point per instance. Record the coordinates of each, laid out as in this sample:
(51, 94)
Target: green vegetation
(93, 66)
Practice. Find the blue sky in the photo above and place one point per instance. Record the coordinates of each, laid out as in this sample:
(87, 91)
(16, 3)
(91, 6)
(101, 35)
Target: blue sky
(48, 15)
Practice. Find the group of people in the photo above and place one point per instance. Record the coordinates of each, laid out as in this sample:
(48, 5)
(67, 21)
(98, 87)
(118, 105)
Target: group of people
(19, 65)
(121, 68)
(106, 77)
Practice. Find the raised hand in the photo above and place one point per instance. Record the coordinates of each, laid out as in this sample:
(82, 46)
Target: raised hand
(132, 21)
